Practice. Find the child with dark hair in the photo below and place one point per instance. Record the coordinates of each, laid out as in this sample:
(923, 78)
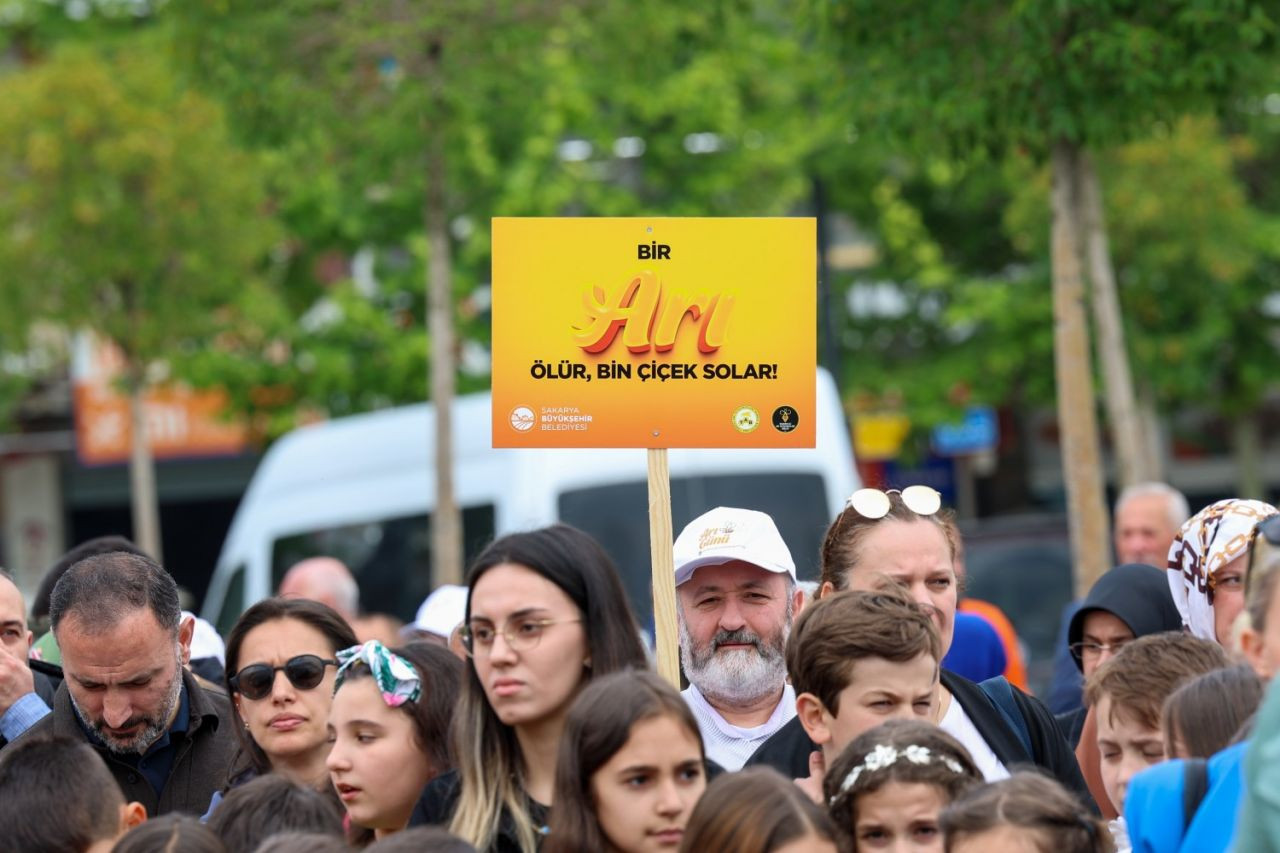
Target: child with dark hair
(758, 810)
(1205, 715)
(1028, 812)
(269, 804)
(631, 768)
(420, 839)
(303, 842)
(889, 785)
(40, 773)
(171, 833)
(390, 727)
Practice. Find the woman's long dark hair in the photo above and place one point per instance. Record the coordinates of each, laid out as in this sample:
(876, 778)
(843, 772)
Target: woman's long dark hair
(311, 613)
(599, 725)
(490, 764)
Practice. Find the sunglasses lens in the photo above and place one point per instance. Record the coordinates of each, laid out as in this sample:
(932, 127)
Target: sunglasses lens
(254, 681)
(305, 672)
(870, 503)
(922, 500)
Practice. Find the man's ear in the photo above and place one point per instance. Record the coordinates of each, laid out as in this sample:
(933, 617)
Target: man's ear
(132, 814)
(813, 717)
(798, 603)
(186, 630)
(1251, 648)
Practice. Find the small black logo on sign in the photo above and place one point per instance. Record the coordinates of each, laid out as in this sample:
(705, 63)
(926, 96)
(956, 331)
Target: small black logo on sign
(785, 419)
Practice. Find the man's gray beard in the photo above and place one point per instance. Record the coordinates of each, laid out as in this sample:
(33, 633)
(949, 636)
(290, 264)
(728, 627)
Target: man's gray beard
(739, 677)
(153, 730)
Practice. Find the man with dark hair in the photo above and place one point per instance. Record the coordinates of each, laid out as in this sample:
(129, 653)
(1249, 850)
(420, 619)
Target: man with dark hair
(88, 548)
(40, 774)
(25, 696)
(165, 738)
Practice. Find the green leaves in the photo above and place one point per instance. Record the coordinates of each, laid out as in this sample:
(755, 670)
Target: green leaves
(127, 209)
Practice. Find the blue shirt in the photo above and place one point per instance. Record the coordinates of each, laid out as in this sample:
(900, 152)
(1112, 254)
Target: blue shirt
(22, 715)
(1153, 807)
(156, 763)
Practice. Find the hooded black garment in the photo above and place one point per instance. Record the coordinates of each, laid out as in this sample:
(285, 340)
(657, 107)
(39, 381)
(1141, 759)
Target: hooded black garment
(1136, 594)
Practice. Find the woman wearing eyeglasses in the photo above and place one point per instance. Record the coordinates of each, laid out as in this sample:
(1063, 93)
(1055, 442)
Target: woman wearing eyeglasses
(905, 538)
(281, 660)
(546, 613)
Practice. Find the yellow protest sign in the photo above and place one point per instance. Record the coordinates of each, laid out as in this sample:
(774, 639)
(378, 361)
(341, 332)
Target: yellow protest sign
(654, 332)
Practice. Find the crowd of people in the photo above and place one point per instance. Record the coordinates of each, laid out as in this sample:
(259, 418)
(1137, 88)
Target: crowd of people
(521, 713)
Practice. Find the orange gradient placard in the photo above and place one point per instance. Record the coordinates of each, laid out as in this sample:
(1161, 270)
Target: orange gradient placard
(653, 332)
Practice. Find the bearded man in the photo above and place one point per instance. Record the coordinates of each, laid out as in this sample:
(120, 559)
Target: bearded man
(167, 741)
(736, 584)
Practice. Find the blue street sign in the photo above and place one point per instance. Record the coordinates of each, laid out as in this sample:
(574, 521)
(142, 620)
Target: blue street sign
(978, 431)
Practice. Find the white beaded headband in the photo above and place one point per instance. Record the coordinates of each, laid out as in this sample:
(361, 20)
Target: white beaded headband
(883, 756)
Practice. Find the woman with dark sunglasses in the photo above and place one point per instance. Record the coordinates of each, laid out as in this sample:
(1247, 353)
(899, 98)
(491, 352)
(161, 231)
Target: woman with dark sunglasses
(281, 662)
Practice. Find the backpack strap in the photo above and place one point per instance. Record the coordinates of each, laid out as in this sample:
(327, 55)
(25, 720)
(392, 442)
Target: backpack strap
(1195, 784)
(1000, 692)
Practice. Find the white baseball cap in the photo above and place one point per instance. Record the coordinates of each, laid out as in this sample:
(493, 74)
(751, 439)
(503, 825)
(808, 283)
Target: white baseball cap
(205, 642)
(725, 534)
(442, 610)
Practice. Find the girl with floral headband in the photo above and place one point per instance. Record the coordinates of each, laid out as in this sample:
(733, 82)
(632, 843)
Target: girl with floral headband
(389, 723)
(887, 788)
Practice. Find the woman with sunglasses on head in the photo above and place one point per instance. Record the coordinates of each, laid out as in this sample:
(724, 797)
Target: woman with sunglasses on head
(905, 537)
(546, 613)
(281, 660)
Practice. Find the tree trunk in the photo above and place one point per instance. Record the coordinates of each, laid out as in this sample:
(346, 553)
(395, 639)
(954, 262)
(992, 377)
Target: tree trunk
(446, 519)
(142, 474)
(1077, 420)
(1248, 446)
(1117, 381)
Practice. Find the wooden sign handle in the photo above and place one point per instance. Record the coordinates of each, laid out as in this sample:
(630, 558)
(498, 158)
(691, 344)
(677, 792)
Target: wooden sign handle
(664, 575)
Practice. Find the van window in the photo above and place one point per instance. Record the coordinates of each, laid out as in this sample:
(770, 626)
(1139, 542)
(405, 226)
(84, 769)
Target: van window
(232, 601)
(618, 516)
(390, 559)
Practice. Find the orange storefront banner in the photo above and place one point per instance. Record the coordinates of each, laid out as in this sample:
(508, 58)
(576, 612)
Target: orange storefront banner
(181, 422)
(654, 332)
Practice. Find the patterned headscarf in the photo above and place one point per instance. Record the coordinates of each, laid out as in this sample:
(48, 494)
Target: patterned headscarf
(1208, 541)
(396, 678)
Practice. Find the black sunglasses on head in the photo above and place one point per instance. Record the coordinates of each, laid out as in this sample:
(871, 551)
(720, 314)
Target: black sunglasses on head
(304, 672)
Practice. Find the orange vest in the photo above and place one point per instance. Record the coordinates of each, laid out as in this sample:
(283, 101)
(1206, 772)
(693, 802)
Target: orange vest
(1015, 669)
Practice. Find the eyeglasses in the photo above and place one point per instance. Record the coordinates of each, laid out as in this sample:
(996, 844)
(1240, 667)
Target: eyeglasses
(874, 503)
(1094, 650)
(521, 635)
(304, 672)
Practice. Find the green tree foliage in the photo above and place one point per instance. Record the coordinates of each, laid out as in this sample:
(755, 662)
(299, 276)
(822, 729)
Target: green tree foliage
(339, 98)
(126, 209)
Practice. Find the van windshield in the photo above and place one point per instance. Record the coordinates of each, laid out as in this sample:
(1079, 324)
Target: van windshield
(390, 558)
(618, 516)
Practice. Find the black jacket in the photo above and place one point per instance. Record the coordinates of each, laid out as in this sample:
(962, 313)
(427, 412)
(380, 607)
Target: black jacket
(787, 750)
(199, 768)
(440, 798)
(1136, 594)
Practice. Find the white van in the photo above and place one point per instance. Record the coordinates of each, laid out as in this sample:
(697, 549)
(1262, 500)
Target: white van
(361, 489)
